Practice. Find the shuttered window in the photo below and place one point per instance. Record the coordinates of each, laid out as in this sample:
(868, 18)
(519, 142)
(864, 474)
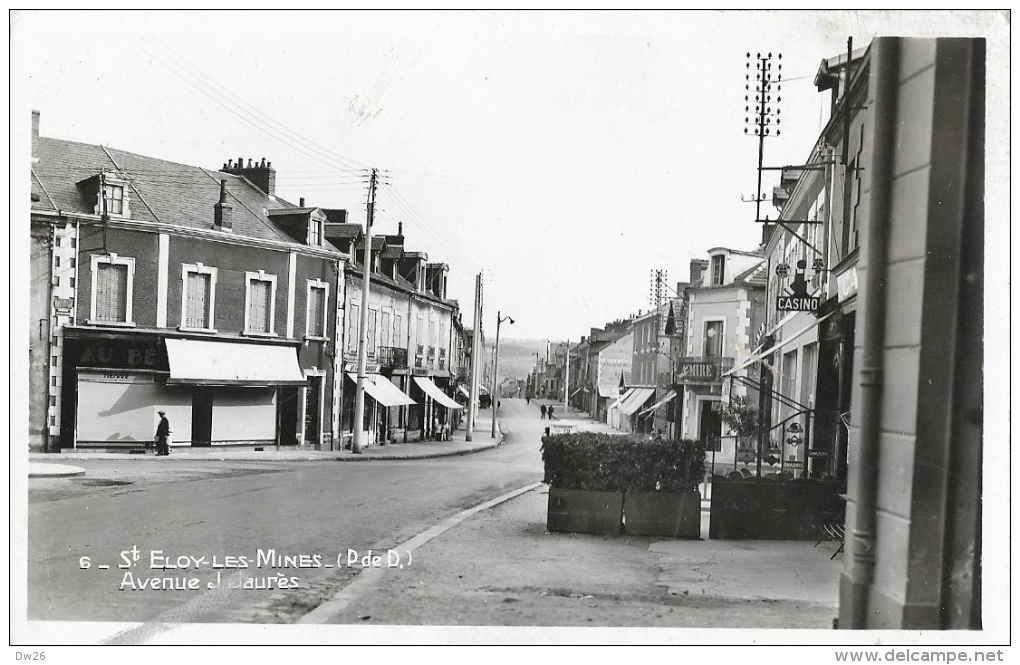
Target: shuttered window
(198, 298)
(316, 311)
(372, 321)
(111, 292)
(259, 303)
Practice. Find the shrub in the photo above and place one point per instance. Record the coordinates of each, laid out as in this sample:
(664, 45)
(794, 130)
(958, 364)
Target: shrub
(613, 463)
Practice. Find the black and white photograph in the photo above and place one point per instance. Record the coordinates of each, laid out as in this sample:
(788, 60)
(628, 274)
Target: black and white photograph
(495, 327)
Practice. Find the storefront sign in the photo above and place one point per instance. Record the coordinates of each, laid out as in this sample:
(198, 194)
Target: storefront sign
(133, 355)
(701, 370)
(419, 371)
(818, 453)
(846, 284)
(793, 464)
(370, 368)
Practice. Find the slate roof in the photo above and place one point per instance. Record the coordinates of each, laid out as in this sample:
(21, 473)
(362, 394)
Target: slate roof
(754, 276)
(158, 190)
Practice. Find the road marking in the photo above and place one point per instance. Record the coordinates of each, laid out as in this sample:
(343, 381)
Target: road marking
(368, 576)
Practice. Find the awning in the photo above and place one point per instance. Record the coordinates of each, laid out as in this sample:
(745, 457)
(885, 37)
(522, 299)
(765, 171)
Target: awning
(621, 398)
(464, 392)
(437, 395)
(381, 390)
(608, 391)
(758, 356)
(204, 362)
(669, 396)
(637, 398)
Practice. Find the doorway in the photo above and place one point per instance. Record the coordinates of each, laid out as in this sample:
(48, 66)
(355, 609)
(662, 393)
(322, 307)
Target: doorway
(313, 424)
(201, 417)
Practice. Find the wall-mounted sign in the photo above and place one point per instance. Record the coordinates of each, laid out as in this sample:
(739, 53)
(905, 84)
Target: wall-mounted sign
(419, 371)
(701, 370)
(370, 368)
(818, 453)
(846, 284)
(63, 305)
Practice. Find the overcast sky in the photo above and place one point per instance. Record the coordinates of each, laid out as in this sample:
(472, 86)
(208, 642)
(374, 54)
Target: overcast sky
(565, 155)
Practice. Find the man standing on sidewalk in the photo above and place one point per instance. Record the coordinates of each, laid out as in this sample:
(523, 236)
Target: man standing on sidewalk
(162, 435)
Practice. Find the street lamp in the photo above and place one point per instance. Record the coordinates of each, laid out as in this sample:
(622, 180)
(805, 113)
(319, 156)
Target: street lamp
(495, 371)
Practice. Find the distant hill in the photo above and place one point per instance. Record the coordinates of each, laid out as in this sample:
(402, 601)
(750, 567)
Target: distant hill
(517, 356)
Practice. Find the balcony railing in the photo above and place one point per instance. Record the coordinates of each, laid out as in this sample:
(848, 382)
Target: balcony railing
(392, 357)
(704, 370)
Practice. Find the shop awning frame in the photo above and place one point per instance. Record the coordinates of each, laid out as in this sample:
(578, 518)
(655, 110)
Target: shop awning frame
(668, 398)
(381, 390)
(634, 401)
(764, 354)
(217, 363)
(433, 391)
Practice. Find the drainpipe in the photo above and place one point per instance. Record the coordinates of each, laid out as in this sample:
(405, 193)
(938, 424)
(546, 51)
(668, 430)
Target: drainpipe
(862, 564)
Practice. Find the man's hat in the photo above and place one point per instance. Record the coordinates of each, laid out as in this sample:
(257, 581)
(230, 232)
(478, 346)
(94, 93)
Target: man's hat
(162, 413)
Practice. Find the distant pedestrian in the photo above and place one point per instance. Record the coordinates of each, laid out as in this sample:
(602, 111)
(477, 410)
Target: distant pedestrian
(163, 435)
(550, 412)
(528, 399)
(543, 412)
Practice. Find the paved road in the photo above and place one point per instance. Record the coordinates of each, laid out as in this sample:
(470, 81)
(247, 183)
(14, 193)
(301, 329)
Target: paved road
(204, 509)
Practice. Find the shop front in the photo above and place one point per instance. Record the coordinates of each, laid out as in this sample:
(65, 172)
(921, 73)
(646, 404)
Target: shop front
(383, 399)
(439, 408)
(213, 392)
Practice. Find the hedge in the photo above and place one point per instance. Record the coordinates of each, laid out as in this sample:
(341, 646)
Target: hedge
(612, 463)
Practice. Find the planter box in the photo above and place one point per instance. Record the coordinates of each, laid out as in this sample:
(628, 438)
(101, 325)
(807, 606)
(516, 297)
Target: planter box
(579, 511)
(663, 514)
(753, 509)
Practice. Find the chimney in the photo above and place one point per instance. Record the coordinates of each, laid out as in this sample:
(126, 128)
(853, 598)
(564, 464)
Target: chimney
(35, 124)
(261, 174)
(223, 212)
(400, 231)
(301, 202)
(766, 233)
(698, 267)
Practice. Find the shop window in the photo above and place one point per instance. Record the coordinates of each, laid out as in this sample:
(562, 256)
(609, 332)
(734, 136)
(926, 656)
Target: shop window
(112, 290)
(260, 303)
(315, 322)
(198, 297)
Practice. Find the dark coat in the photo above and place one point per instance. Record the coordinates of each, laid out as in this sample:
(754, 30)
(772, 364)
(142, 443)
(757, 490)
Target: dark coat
(163, 429)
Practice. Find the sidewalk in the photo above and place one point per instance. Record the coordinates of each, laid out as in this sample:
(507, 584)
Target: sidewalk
(51, 464)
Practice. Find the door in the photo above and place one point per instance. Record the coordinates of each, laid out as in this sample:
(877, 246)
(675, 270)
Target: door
(312, 420)
(710, 426)
(201, 417)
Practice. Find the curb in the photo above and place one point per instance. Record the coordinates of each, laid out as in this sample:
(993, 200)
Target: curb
(321, 458)
(43, 470)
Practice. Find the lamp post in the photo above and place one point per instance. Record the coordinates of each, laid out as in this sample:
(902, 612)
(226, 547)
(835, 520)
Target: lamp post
(566, 381)
(495, 370)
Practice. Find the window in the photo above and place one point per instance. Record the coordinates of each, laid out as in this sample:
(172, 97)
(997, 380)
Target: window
(318, 296)
(373, 320)
(718, 270)
(260, 303)
(198, 297)
(385, 330)
(114, 199)
(398, 331)
(112, 290)
(713, 339)
(352, 328)
(314, 231)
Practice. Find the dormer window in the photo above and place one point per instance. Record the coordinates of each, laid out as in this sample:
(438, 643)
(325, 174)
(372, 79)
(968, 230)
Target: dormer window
(110, 193)
(718, 269)
(314, 231)
(114, 199)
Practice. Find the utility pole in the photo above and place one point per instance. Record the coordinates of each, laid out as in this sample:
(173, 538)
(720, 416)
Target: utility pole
(366, 270)
(566, 381)
(475, 358)
(495, 369)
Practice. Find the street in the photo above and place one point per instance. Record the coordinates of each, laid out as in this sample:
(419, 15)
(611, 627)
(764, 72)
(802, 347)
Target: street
(281, 533)
(187, 508)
